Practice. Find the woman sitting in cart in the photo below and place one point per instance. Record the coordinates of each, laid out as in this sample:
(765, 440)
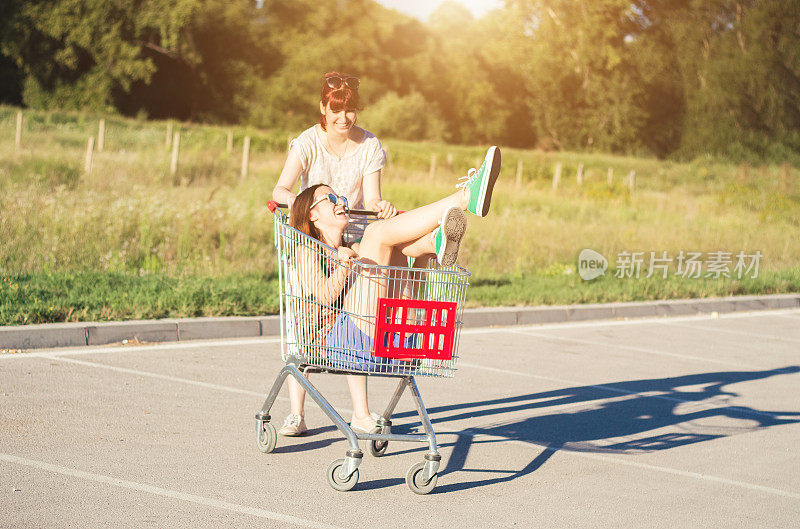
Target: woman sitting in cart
(432, 230)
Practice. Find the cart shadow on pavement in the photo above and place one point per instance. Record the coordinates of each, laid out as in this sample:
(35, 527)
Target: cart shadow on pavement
(310, 445)
(612, 418)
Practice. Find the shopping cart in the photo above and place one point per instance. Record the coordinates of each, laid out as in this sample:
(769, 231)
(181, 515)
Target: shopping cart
(415, 329)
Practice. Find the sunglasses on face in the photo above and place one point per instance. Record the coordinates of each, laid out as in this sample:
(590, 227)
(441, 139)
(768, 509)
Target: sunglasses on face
(332, 198)
(336, 82)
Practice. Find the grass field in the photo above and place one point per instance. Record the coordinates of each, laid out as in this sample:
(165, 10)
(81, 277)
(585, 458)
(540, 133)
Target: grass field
(129, 240)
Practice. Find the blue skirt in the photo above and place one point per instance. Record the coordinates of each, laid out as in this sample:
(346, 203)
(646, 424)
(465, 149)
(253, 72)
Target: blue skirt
(350, 348)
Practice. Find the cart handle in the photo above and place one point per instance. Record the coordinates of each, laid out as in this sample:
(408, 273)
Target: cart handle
(272, 205)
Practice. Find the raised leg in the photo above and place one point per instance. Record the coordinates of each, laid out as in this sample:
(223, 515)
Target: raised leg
(380, 237)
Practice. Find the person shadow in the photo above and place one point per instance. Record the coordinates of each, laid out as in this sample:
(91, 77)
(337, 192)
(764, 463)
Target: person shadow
(615, 418)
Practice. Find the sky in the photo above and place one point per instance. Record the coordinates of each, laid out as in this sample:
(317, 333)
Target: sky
(423, 8)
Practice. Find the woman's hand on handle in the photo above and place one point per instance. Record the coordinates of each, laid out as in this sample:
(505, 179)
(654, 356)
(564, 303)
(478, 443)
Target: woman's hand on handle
(385, 209)
(281, 195)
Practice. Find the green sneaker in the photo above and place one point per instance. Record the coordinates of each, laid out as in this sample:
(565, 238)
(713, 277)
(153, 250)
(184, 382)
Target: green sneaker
(478, 185)
(447, 237)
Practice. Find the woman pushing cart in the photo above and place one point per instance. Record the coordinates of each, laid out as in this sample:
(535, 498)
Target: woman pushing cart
(347, 310)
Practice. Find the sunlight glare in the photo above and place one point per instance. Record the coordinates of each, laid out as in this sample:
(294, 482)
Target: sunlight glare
(422, 9)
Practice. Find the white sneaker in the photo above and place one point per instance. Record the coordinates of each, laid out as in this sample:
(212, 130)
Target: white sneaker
(447, 237)
(367, 425)
(293, 426)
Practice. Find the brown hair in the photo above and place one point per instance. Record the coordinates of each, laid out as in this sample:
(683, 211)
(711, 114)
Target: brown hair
(345, 98)
(300, 216)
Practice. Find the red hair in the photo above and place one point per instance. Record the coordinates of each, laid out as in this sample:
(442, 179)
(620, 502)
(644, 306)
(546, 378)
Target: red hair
(345, 98)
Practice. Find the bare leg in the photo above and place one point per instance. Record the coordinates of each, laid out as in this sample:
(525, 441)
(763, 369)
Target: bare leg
(405, 282)
(422, 247)
(297, 397)
(381, 236)
(358, 394)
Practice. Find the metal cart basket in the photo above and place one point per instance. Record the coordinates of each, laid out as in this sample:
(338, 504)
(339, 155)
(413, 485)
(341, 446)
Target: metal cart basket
(414, 320)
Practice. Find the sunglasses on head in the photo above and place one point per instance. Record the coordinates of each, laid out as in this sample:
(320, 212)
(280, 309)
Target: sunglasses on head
(332, 198)
(336, 82)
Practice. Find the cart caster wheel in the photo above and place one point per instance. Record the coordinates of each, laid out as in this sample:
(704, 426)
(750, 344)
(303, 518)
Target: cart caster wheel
(378, 448)
(416, 483)
(335, 481)
(266, 436)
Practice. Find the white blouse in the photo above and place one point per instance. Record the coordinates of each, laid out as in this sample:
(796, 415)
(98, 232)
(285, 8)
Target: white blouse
(343, 175)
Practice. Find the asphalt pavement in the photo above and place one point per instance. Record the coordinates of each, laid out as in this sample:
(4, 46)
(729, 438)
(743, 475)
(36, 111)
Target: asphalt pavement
(678, 422)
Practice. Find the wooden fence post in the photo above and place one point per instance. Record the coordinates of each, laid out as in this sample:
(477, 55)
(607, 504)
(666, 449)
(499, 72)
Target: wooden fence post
(556, 176)
(580, 174)
(245, 156)
(101, 135)
(519, 173)
(229, 146)
(631, 180)
(176, 142)
(610, 176)
(87, 165)
(168, 139)
(18, 138)
(786, 174)
(433, 166)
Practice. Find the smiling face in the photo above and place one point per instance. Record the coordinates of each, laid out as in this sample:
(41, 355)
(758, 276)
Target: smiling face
(326, 216)
(338, 122)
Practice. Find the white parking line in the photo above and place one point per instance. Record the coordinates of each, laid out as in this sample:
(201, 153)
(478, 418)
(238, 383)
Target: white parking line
(167, 493)
(346, 410)
(240, 391)
(689, 474)
(783, 313)
(645, 466)
(170, 378)
(159, 376)
(636, 349)
(233, 342)
(790, 315)
(730, 331)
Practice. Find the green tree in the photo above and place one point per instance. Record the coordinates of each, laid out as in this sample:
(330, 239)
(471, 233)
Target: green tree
(738, 65)
(360, 37)
(187, 58)
(74, 52)
(581, 73)
(209, 62)
(408, 117)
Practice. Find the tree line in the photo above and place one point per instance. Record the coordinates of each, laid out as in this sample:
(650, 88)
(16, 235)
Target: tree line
(671, 78)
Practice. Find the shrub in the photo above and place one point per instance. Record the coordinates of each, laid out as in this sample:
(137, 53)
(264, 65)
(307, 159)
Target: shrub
(407, 117)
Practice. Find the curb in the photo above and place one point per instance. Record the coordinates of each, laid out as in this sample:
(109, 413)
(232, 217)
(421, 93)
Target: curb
(173, 330)
(645, 309)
